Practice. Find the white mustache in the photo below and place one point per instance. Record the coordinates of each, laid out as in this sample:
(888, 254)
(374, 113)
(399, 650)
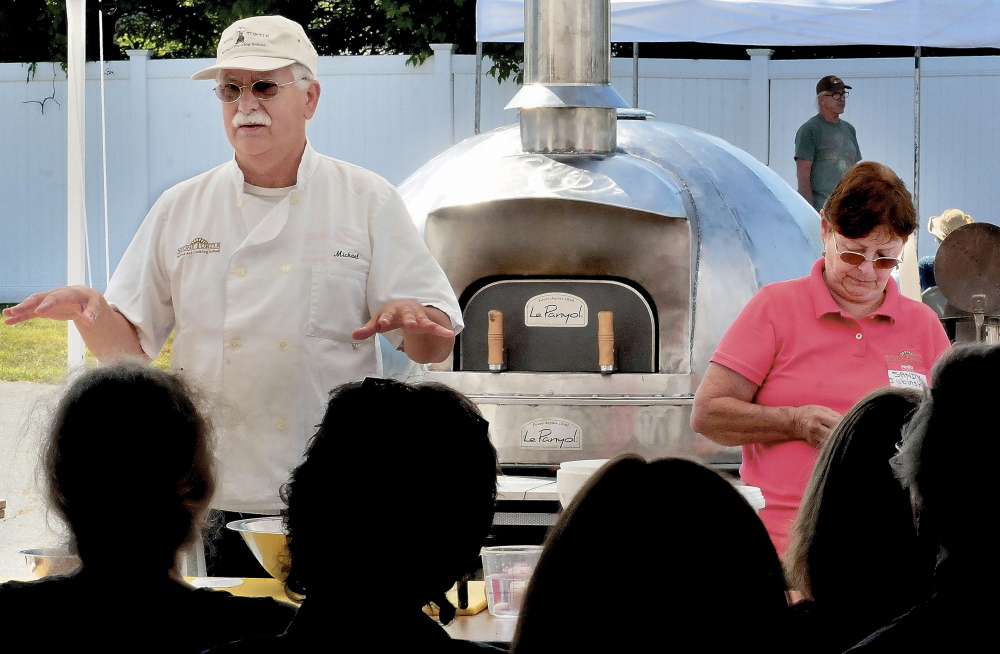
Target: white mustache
(255, 117)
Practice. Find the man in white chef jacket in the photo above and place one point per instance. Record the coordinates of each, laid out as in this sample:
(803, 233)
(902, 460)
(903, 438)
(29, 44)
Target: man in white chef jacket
(275, 269)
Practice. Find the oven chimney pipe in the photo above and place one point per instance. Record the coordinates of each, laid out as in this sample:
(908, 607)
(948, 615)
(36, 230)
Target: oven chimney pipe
(567, 104)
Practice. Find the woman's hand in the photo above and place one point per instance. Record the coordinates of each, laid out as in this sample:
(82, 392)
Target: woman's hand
(724, 412)
(813, 423)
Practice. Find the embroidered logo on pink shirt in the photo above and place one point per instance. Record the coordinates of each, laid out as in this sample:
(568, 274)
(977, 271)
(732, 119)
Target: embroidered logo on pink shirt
(906, 360)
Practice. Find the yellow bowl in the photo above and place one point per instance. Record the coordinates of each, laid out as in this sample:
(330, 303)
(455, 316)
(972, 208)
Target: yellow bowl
(266, 539)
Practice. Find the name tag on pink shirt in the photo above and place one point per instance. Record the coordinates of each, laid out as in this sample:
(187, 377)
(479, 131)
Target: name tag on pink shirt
(907, 379)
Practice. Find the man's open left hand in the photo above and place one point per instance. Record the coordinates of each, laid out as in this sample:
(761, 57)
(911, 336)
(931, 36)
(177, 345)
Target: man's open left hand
(408, 315)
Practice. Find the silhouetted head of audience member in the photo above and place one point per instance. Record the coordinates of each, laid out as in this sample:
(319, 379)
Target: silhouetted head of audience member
(669, 537)
(128, 465)
(854, 547)
(395, 497)
(953, 502)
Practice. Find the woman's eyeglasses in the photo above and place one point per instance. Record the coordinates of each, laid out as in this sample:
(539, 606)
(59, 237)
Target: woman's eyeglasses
(852, 258)
(261, 89)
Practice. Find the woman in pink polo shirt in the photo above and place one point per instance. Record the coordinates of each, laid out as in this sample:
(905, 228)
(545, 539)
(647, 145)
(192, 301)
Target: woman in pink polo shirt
(803, 351)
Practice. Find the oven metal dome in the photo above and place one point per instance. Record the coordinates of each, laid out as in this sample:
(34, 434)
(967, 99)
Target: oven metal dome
(747, 226)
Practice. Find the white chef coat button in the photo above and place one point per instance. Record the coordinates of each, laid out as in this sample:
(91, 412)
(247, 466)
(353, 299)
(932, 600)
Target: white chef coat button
(286, 268)
(293, 198)
(355, 345)
(239, 202)
(241, 271)
(282, 344)
(858, 336)
(281, 424)
(235, 344)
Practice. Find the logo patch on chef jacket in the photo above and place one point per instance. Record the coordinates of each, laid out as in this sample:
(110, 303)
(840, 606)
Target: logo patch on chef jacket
(199, 246)
(903, 370)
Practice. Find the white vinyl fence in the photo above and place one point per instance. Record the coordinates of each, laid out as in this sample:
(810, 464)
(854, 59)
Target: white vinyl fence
(376, 111)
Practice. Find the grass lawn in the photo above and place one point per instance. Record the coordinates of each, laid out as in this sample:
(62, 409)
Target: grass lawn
(36, 351)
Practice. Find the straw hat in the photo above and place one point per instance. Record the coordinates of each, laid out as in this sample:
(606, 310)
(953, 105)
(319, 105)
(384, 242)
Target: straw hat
(947, 222)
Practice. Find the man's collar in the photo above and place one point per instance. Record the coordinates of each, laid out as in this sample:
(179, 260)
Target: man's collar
(307, 166)
(310, 159)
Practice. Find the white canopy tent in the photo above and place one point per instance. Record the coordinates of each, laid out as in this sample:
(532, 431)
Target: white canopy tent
(932, 23)
(937, 23)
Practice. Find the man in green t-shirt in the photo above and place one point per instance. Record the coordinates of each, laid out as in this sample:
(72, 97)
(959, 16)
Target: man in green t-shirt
(825, 145)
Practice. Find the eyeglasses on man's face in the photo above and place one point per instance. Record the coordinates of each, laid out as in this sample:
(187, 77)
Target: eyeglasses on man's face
(836, 96)
(262, 89)
(852, 258)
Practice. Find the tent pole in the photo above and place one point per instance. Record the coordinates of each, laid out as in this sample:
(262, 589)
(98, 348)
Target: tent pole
(76, 207)
(635, 74)
(479, 84)
(916, 129)
(909, 279)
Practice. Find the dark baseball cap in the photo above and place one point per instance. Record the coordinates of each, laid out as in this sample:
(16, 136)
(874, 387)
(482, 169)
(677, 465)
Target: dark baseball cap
(830, 83)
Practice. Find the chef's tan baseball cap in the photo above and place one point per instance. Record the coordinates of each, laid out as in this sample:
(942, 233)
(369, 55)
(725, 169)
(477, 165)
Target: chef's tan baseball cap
(262, 43)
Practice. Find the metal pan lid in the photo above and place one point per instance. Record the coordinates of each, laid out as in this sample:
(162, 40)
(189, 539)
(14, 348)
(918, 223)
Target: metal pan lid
(967, 268)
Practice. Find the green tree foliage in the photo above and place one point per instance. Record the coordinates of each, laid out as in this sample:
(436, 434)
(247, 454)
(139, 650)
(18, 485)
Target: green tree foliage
(412, 25)
(35, 30)
(29, 31)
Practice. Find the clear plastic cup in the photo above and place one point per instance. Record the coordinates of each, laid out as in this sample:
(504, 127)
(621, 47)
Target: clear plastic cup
(507, 570)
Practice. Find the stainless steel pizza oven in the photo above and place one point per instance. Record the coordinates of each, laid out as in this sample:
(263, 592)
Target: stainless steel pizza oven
(598, 256)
